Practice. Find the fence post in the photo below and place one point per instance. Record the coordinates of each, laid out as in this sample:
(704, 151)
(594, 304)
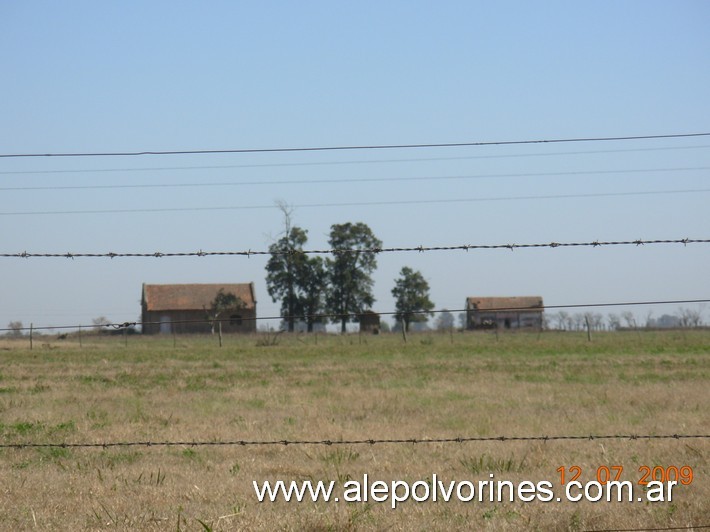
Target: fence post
(31, 331)
(404, 331)
(80, 342)
(589, 330)
(220, 333)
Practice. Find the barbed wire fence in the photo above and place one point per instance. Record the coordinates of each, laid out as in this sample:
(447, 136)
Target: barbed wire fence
(419, 249)
(362, 441)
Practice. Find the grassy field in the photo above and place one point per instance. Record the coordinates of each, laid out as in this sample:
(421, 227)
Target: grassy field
(349, 387)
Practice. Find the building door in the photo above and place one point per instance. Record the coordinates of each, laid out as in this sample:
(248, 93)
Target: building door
(165, 325)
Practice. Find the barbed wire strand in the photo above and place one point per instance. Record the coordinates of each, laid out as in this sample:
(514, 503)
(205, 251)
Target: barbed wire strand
(362, 441)
(358, 147)
(646, 529)
(357, 315)
(337, 251)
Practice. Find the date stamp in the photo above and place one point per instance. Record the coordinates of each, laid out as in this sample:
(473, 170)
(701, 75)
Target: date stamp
(613, 473)
(655, 482)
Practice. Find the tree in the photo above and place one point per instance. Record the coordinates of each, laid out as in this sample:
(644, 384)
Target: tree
(562, 320)
(614, 322)
(411, 292)
(15, 328)
(282, 269)
(349, 271)
(629, 318)
(295, 279)
(577, 321)
(311, 283)
(445, 320)
(690, 318)
(100, 323)
(222, 301)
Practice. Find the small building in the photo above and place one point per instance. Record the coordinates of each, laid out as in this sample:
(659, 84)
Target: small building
(369, 322)
(186, 308)
(504, 312)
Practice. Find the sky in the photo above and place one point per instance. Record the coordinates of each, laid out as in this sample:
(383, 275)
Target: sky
(99, 77)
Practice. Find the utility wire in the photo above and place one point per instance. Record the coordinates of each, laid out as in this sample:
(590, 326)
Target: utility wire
(336, 251)
(349, 316)
(332, 163)
(360, 147)
(361, 203)
(351, 180)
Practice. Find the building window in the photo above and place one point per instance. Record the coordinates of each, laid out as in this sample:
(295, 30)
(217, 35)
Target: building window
(235, 319)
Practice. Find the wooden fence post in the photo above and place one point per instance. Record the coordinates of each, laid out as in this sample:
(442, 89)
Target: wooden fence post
(31, 331)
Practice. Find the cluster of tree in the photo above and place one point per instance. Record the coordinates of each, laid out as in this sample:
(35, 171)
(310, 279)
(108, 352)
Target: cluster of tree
(299, 281)
(340, 288)
(565, 321)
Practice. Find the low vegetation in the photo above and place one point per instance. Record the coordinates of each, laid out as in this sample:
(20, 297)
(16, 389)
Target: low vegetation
(328, 387)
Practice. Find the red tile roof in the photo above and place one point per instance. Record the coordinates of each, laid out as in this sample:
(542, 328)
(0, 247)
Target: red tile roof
(528, 303)
(193, 296)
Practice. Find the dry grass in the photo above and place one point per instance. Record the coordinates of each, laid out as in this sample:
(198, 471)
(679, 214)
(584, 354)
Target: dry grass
(344, 388)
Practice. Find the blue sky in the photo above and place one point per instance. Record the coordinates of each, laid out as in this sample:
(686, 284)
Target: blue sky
(134, 76)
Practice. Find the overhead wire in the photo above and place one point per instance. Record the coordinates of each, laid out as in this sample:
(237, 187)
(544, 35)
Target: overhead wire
(361, 203)
(356, 147)
(351, 180)
(349, 162)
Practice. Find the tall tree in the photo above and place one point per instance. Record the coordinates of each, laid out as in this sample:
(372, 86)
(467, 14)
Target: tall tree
(350, 271)
(283, 267)
(295, 279)
(311, 285)
(411, 292)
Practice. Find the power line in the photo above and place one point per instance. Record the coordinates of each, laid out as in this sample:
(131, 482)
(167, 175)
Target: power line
(332, 163)
(358, 147)
(362, 441)
(362, 203)
(418, 249)
(352, 180)
(323, 316)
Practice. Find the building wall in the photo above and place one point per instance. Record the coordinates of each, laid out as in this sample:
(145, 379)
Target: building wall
(169, 321)
(504, 320)
(369, 323)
